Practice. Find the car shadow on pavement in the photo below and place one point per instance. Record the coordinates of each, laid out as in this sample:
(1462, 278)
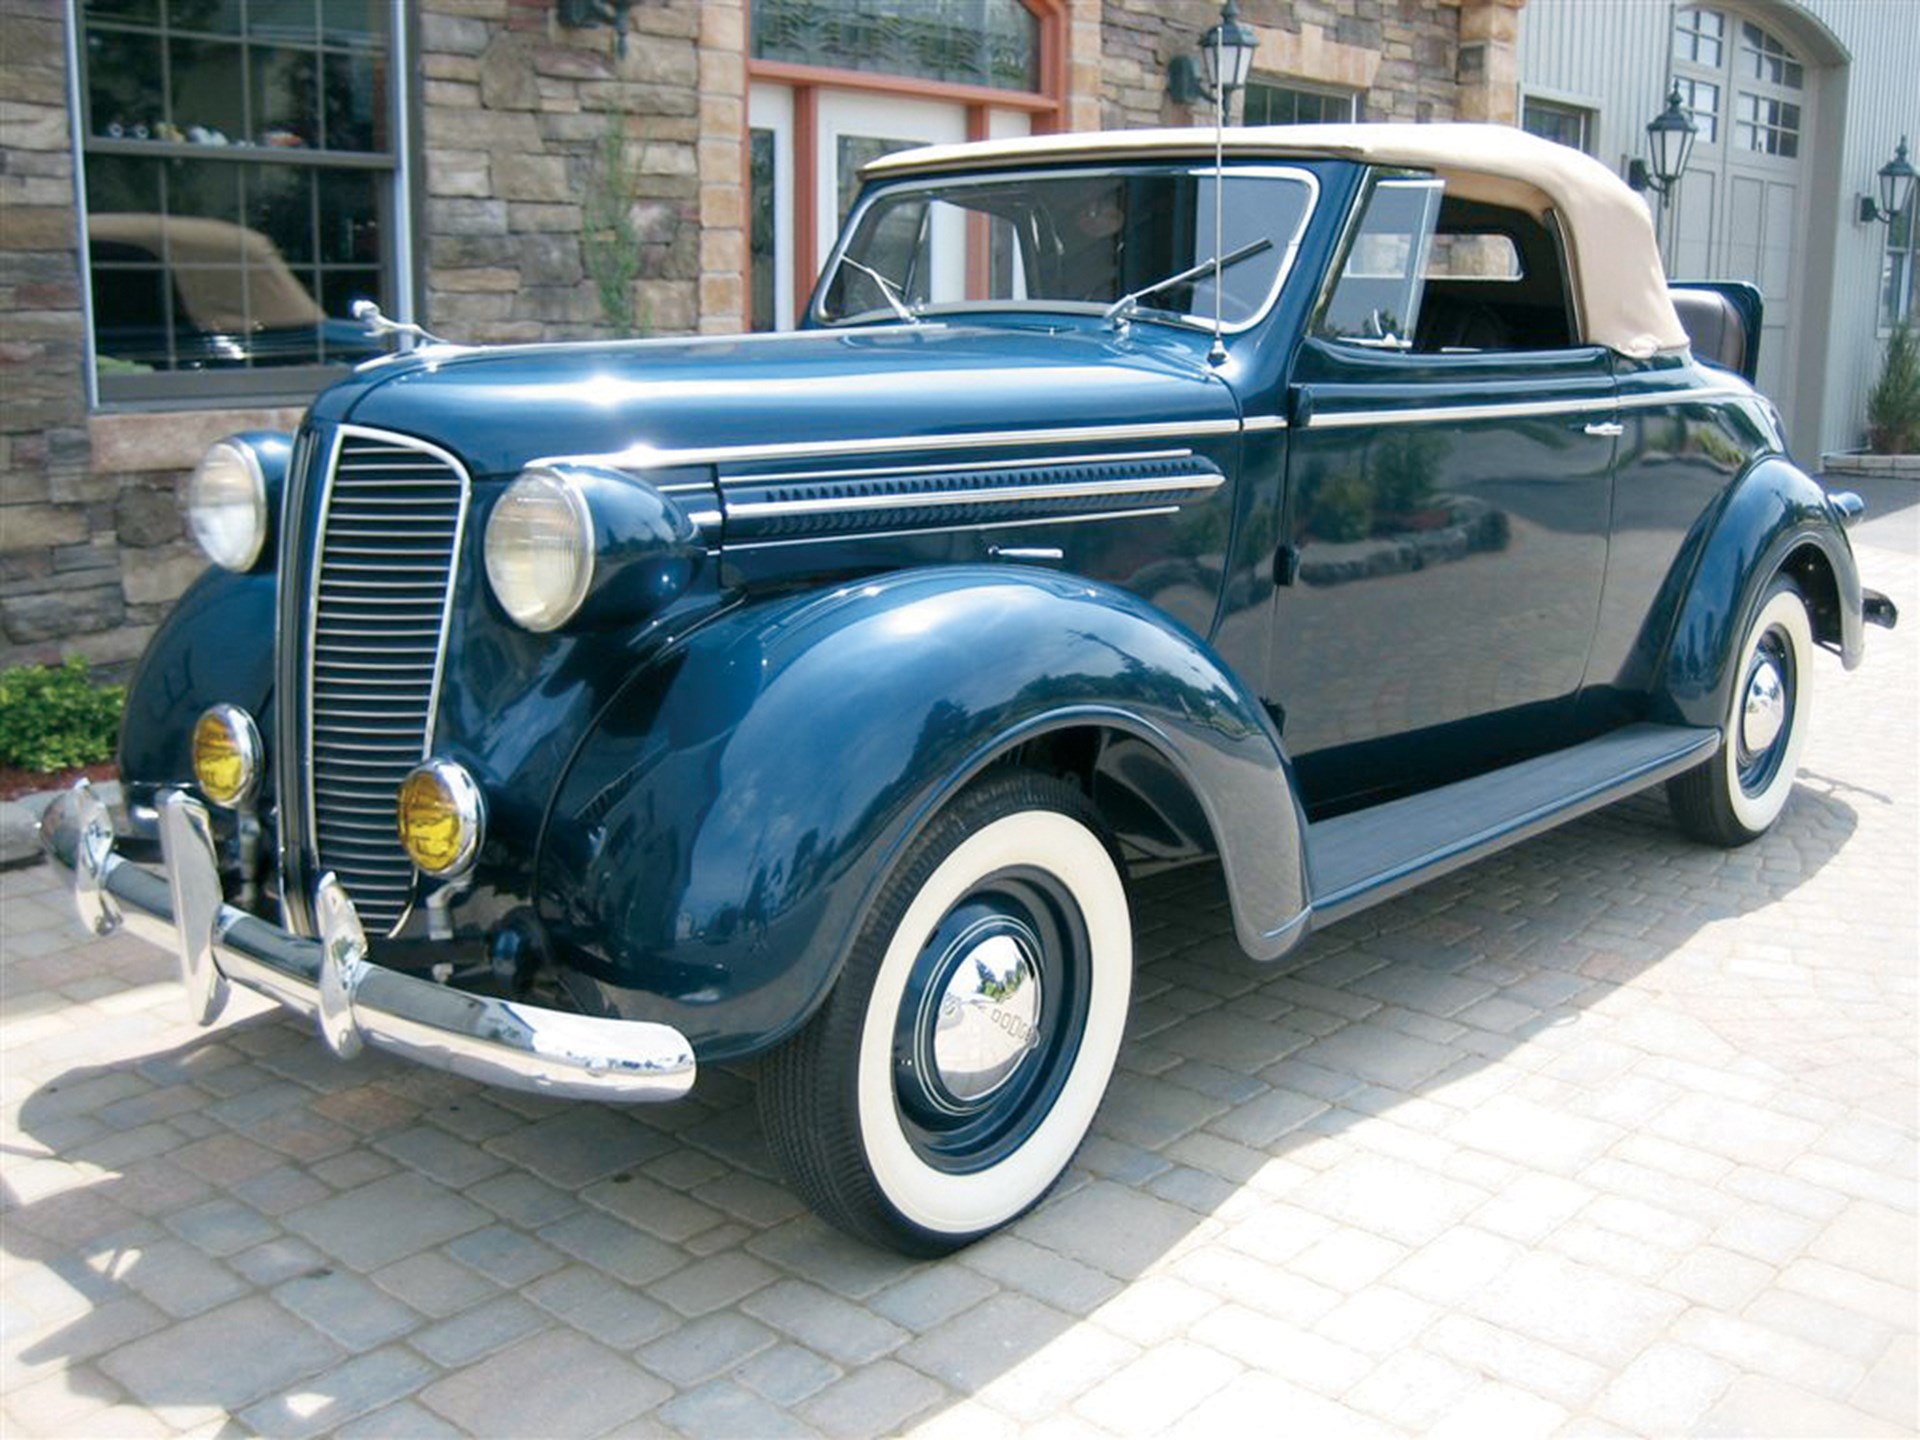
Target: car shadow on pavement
(236, 1224)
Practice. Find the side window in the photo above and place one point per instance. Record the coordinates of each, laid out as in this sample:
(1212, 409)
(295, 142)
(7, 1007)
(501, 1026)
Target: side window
(1436, 274)
(1376, 300)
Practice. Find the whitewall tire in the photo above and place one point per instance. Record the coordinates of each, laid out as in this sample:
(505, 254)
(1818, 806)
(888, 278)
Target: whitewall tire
(1735, 797)
(950, 1077)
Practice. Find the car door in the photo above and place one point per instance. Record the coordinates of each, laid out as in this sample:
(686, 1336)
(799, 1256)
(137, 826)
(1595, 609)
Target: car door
(1449, 480)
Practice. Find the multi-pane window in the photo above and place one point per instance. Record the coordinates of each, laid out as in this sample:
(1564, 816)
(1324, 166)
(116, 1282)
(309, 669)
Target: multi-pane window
(1268, 103)
(1701, 100)
(1699, 37)
(1899, 286)
(1765, 58)
(240, 174)
(995, 43)
(1568, 125)
(1767, 126)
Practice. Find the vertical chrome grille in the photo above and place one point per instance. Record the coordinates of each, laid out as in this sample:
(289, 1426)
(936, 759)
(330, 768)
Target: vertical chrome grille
(383, 575)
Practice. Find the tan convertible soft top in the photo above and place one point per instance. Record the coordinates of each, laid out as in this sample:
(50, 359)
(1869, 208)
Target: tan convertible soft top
(1620, 287)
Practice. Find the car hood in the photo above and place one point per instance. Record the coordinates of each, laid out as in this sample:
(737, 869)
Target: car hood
(720, 399)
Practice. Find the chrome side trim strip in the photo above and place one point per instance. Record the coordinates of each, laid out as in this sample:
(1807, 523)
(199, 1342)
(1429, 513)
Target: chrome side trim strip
(1258, 424)
(1027, 522)
(785, 477)
(1521, 409)
(642, 457)
(1503, 410)
(999, 495)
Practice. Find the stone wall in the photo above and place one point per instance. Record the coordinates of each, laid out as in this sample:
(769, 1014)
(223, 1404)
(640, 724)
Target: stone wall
(515, 112)
(1401, 56)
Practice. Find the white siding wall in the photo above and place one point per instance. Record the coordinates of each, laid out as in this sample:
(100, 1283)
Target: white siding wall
(1614, 57)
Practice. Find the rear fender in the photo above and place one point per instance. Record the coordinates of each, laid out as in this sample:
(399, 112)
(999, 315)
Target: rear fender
(725, 826)
(1774, 518)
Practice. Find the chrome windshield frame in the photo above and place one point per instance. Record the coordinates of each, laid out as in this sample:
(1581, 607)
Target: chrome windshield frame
(947, 310)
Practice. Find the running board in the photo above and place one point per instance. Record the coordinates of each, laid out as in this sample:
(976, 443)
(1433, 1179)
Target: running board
(1361, 859)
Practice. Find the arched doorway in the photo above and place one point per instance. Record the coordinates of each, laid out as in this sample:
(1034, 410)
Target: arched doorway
(1755, 89)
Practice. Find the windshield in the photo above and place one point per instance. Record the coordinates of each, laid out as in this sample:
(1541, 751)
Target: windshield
(1068, 240)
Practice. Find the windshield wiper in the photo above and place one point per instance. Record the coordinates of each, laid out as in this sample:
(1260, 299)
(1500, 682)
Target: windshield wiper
(1127, 303)
(888, 290)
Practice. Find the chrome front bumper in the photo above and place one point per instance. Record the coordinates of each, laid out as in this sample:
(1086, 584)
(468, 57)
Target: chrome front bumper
(330, 979)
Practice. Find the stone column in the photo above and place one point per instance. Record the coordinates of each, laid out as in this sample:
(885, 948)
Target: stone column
(723, 167)
(1487, 68)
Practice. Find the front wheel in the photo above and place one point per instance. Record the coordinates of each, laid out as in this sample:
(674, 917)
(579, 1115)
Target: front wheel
(948, 1079)
(1733, 798)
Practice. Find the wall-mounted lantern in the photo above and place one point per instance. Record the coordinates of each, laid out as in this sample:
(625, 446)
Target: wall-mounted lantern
(580, 14)
(1226, 50)
(1896, 189)
(1670, 137)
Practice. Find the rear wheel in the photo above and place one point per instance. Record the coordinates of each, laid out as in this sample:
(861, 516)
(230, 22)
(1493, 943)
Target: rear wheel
(1736, 796)
(948, 1079)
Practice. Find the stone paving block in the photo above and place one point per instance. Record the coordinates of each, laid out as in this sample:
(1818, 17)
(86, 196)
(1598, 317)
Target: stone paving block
(1665, 1390)
(877, 1400)
(177, 1277)
(1111, 1228)
(722, 1410)
(1492, 1408)
(1389, 1197)
(654, 1208)
(1299, 1355)
(600, 1240)
(522, 1198)
(227, 1357)
(386, 1220)
(1892, 1387)
(449, 1159)
(1759, 1404)
(1377, 1321)
(404, 1420)
(842, 1331)
(325, 1402)
(222, 1227)
(1575, 1308)
(923, 1300)
(1148, 1396)
(700, 1349)
(481, 1331)
(432, 1284)
(1718, 1279)
(558, 1383)
(788, 1374)
(612, 1313)
(1765, 1351)
(346, 1308)
(504, 1255)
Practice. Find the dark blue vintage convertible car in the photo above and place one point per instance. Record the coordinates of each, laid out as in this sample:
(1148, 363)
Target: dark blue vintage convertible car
(568, 715)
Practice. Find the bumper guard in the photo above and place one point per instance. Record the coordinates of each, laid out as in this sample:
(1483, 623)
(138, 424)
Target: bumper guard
(330, 979)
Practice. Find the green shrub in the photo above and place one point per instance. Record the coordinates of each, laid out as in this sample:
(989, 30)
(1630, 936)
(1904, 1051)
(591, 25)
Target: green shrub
(53, 716)
(1893, 405)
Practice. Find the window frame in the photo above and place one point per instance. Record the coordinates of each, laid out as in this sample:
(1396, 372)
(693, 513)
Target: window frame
(188, 389)
(1587, 112)
(1296, 86)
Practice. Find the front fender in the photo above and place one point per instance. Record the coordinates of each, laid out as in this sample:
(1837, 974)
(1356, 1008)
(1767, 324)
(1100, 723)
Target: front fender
(722, 831)
(215, 644)
(1772, 513)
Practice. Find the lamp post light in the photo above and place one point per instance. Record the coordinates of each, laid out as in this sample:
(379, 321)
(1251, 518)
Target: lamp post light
(1896, 179)
(1670, 137)
(1226, 53)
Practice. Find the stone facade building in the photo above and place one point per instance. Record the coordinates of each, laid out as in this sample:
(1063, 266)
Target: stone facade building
(194, 192)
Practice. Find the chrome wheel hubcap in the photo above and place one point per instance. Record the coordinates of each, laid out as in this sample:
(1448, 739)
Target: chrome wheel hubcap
(1765, 709)
(987, 1021)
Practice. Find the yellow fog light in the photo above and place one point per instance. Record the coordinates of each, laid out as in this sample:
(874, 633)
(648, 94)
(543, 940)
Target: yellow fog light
(441, 817)
(226, 756)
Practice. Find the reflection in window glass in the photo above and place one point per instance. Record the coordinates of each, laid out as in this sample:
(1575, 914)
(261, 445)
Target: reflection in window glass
(238, 180)
(1899, 287)
(995, 43)
(761, 239)
(1770, 127)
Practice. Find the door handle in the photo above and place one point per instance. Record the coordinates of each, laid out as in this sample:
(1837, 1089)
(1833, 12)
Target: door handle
(1606, 428)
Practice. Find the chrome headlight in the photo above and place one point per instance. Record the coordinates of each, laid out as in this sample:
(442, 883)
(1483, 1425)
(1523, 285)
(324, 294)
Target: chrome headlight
(227, 760)
(540, 549)
(227, 504)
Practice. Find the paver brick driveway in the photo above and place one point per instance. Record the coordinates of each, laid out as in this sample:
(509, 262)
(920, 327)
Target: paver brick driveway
(1608, 1134)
